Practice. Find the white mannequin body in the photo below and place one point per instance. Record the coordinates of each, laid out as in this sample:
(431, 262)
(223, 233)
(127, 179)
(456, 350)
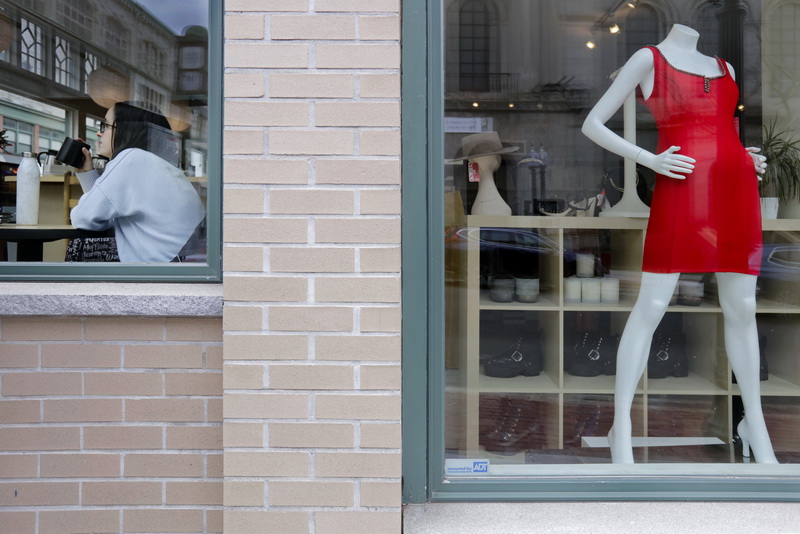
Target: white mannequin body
(736, 290)
(488, 200)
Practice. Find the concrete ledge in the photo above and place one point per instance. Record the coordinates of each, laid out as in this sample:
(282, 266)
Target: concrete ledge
(111, 299)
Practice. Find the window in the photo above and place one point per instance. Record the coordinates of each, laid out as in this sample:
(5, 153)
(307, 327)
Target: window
(69, 65)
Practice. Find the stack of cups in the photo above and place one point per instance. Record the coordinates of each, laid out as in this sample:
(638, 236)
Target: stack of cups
(591, 290)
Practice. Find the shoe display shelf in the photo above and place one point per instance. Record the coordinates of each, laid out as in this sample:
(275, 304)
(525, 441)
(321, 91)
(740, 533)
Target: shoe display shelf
(700, 400)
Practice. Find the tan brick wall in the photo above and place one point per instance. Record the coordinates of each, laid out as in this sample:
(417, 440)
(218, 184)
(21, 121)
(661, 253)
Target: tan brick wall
(312, 263)
(110, 425)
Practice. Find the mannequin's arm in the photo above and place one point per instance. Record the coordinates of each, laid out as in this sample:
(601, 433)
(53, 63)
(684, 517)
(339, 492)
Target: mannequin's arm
(636, 70)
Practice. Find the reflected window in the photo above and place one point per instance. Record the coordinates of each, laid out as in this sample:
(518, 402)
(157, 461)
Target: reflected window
(474, 46)
(786, 43)
(64, 61)
(31, 47)
(116, 37)
(76, 15)
(642, 28)
(20, 134)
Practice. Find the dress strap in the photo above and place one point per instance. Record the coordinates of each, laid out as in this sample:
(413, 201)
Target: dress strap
(722, 65)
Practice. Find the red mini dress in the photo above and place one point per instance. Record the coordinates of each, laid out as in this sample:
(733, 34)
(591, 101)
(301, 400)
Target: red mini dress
(710, 221)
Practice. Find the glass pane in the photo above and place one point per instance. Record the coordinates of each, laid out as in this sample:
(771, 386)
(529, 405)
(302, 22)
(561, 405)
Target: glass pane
(546, 235)
(142, 68)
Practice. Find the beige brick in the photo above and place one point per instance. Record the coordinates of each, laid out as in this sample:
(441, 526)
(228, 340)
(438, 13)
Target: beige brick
(124, 383)
(243, 142)
(372, 522)
(266, 113)
(311, 435)
(194, 437)
(200, 493)
(291, 493)
(243, 493)
(358, 464)
(265, 230)
(311, 376)
(311, 142)
(20, 411)
(174, 410)
(41, 329)
(164, 356)
(312, 319)
(164, 465)
(238, 376)
(244, 26)
(373, 407)
(214, 521)
(311, 27)
(357, 289)
(39, 383)
(358, 348)
(243, 201)
(80, 466)
(312, 260)
(265, 288)
(265, 406)
(358, 114)
(373, 6)
(17, 522)
(358, 56)
(379, 85)
(60, 521)
(369, 231)
(380, 202)
(117, 493)
(266, 347)
(122, 437)
(82, 356)
(38, 494)
(214, 410)
(128, 329)
(243, 259)
(266, 464)
(263, 171)
(267, 56)
(384, 319)
(357, 171)
(266, 5)
(204, 383)
(306, 201)
(82, 410)
(380, 260)
(18, 466)
(151, 520)
(194, 329)
(248, 522)
(48, 438)
(381, 494)
(215, 466)
(380, 143)
(242, 434)
(19, 356)
(379, 28)
(381, 435)
(242, 318)
(244, 84)
(311, 85)
(381, 377)
(213, 359)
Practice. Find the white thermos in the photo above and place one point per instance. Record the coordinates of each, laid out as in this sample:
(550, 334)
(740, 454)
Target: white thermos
(28, 177)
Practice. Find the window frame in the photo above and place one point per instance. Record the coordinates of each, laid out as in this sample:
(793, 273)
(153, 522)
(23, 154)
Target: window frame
(211, 270)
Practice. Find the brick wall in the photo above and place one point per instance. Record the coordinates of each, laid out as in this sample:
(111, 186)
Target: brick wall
(312, 263)
(110, 425)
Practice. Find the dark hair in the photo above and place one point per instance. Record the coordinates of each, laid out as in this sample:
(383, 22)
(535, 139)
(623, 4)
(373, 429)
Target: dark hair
(134, 125)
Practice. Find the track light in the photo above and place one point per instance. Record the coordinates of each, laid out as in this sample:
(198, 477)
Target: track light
(614, 28)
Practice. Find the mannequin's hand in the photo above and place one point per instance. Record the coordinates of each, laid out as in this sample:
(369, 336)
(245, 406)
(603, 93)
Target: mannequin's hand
(668, 163)
(759, 161)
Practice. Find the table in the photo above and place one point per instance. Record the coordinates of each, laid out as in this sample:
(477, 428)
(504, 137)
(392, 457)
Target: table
(30, 238)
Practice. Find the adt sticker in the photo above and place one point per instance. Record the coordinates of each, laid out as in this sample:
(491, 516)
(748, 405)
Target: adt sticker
(465, 467)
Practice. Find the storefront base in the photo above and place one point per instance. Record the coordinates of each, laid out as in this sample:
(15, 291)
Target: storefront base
(600, 517)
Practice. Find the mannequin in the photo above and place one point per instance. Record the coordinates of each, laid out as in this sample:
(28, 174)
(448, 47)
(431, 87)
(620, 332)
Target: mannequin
(488, 200)
(736, 289)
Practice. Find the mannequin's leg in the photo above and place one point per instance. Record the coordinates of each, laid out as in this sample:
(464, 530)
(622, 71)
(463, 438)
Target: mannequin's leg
(737, 297)
(634, 348)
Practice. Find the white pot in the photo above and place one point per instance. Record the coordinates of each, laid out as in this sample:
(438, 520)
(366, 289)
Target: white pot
(769, 207)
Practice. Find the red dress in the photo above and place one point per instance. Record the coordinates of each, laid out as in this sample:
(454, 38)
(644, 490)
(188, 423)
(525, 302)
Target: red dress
(711, 221)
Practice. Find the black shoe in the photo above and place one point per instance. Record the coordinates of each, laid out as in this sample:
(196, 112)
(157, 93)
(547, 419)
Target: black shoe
(668, 356)
(516, 429)
(522, 357)
(593, 355)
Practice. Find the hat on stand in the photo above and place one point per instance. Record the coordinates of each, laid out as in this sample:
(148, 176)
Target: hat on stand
(483, 144)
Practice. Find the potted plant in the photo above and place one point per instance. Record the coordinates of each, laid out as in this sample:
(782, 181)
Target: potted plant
(782, 179)
(4, 142)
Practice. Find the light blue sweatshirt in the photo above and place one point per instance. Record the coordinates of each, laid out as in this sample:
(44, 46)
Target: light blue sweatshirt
(150, 204)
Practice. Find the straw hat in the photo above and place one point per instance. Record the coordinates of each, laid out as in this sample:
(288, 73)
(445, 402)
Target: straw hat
(483, 144)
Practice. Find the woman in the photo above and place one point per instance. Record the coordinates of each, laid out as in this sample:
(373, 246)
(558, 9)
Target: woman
(149, 203)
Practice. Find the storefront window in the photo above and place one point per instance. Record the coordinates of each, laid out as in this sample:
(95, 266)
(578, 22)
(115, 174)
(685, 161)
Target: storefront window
(546, 232)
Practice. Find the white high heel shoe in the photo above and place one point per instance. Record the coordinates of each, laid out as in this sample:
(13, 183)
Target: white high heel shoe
(744, 434)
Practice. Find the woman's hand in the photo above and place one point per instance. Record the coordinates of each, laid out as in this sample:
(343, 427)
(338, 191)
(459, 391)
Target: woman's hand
(759, 161)
(668, 163)
(87, 159)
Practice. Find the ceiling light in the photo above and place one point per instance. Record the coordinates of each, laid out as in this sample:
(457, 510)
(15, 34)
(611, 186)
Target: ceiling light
(511, 104)
(590, 44)
(632, 3)
(475, 104)
(614, 28)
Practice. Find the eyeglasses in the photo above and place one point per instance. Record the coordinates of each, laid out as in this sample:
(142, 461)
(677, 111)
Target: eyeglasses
(104, 126)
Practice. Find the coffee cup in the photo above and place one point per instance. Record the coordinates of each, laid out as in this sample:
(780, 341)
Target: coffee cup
(71, 153)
